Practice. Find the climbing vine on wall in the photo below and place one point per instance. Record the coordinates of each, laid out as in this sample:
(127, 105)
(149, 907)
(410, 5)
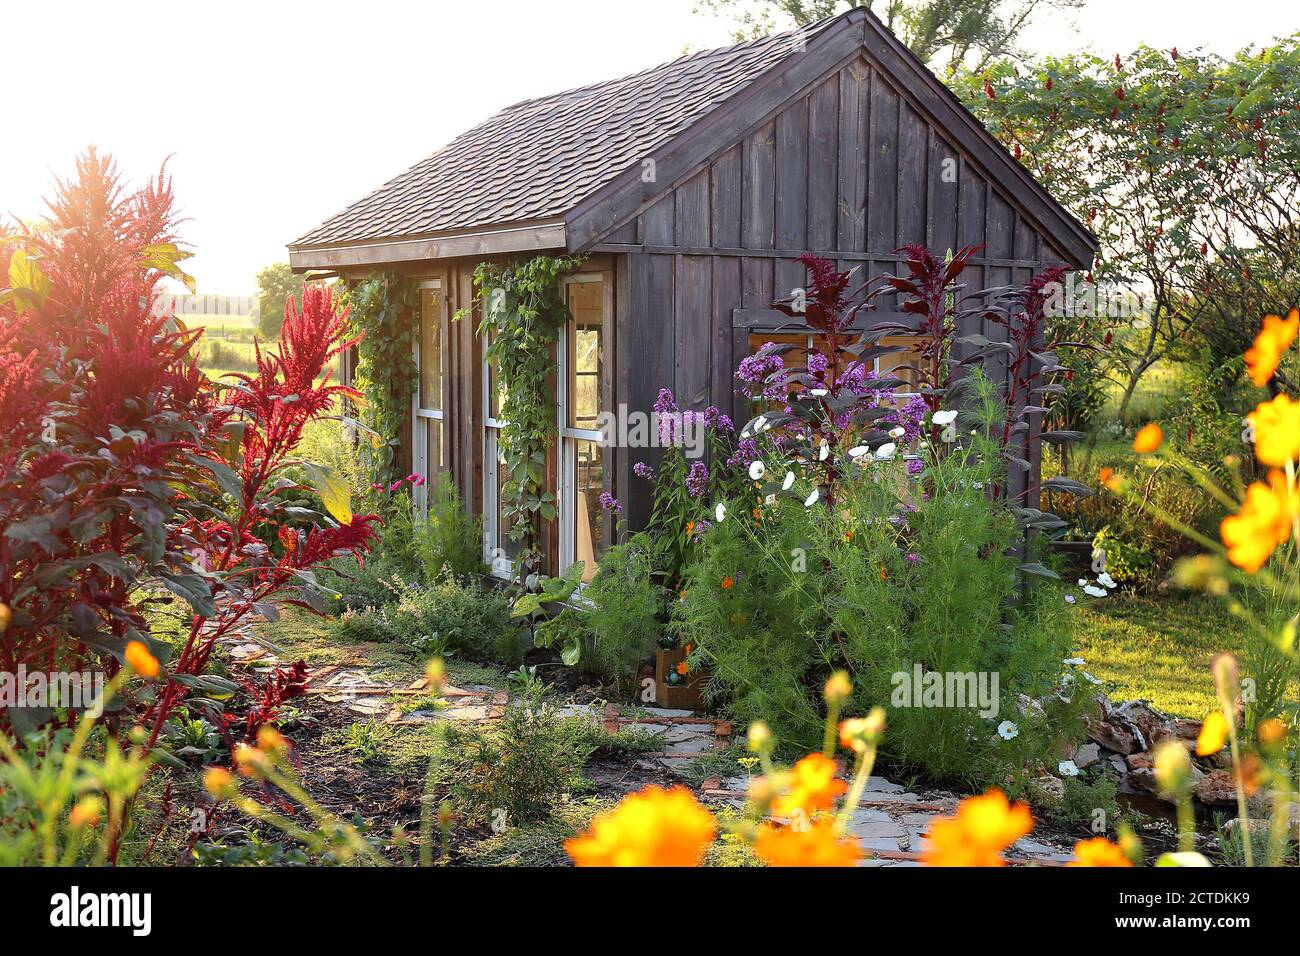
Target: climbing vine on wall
(523, 311)
(384, 310)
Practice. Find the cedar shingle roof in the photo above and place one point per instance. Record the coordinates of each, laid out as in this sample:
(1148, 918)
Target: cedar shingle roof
(535, 160)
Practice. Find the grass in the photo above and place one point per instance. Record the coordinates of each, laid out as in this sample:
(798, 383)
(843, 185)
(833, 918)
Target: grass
(1159, 648)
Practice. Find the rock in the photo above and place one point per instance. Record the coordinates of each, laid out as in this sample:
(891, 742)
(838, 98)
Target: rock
(1154, 725)
(1086, 756)
(1047, 790)
(1028, 706)
(1217, 789)
(1142, 761)
(1141, 780)
(1113, 736)
(1186, 728)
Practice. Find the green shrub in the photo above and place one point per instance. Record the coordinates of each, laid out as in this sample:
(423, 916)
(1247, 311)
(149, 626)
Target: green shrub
(472, 621)
(626, 609)
(516, 771)
(1084, 798)
(447, 537)
(904, 572)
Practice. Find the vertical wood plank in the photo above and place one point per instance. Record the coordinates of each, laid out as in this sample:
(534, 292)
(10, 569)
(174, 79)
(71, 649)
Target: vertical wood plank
(882, 189)
(645, 358)
(693, 357)
(912, 178)
(691, 212)
(725, 199)
(726, 297)
(658, 223)
(852, 192)
(792, 176)
(823, 165)
(759, 206)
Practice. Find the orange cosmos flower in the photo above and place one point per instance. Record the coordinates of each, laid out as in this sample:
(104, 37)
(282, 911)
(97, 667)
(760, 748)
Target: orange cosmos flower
(1214, 734)
(140, 660)
(728, 583)
(816, 844)
(1148, 439)
(1265, 520)
(1098, 852)
(653, 827)
(86, 813)
(1271, 732)
(1277, 431)
(682, 668)
(813, 786)
(1275, 337)
(983, 827)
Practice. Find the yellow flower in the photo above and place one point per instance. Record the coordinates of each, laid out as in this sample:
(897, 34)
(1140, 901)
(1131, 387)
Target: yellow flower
(140, 660)
(1277, 431)
(1271, 732)
(1172, 767)
(86, 813)
(815, 844)
(1265, 520)
(838, 687)
(1274, 338)
(1214, 734)
(983, 827)
(653, 827)
(271, 740)
(1098, 852)
(6, 615)
(435, 675)
(857, 733)
(219, 782)
(1148, 439)
(812, 786)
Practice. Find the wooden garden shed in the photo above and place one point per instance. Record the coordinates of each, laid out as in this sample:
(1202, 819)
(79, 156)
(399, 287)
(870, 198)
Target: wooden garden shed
(691, 187)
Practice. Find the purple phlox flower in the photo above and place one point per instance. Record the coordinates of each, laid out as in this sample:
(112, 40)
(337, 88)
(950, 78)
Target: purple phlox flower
(915, 466)
(697, 481)
(701, 526)
(642, 470)
(609, 503)
(912, 557)
(665, 402)
(818, 364)
(745, 453)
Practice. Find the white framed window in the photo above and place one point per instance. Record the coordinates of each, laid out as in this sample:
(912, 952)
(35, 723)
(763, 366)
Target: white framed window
(428, 446)
(585, 528)
(499, 549)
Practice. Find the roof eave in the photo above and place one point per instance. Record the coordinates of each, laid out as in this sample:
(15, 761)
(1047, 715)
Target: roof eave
(482, 242)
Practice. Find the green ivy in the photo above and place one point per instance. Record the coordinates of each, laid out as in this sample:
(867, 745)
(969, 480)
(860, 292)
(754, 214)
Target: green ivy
(384, 309)
(523, 310)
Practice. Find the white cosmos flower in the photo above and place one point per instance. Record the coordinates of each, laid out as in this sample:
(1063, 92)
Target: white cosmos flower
(949, 434)
(811, 499)
(886, 451)
(1008, 731)
(720, 512)
(789, 480)
(1096, 592)
(823, 452)
(1074, 661)
(1105, 579)
(898, 432)
(1090, 679)
(944, 418)
(1067, 768)
(818, 392)
(1083, 582)
(857, 451)
(757, 469)
(770, 500)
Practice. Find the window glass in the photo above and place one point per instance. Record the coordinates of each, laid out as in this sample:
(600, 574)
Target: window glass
(586, 301)
(431, 349)
(589, 519)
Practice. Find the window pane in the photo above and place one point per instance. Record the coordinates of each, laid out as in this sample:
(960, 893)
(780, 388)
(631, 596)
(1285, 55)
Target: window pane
(586, 301)
(504, 545)
(901, 365)
(590, 522)
(433, 448)
(431, 349)
(496, 389)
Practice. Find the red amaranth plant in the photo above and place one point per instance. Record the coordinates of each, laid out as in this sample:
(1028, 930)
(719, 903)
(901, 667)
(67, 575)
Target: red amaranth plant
(124, 469)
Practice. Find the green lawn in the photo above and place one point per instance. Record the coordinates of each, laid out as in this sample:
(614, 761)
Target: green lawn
(1159, 648)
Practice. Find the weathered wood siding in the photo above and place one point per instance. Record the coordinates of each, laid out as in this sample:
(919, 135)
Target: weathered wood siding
(851, 168)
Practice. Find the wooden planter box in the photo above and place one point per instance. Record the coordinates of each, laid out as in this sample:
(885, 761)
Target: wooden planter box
(687, 696)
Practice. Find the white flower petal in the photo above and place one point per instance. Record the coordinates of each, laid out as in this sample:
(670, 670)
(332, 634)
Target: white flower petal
(898, 432)
(720, 512)
(818, 392)
(812, 498)
(1008, 730)
(1095, 591)
(757, 469)
(824, 452)
(1074, 661)
(886, 451)
(789, 480)
(857, 451)
(944, 418)
(1105, 579)
(1067, 768)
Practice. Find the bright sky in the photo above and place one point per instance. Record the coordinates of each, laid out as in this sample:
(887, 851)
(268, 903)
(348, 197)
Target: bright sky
(278, 114)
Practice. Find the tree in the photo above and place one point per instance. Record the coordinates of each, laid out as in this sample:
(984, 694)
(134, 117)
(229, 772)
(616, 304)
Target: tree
(1185, 167)
(943, 33)
(275, 285)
